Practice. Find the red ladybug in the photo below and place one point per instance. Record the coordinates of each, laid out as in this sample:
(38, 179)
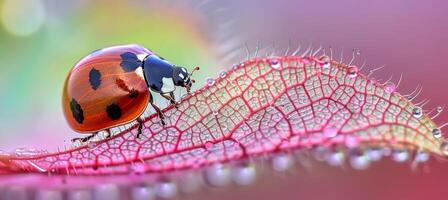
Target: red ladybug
(110, 87)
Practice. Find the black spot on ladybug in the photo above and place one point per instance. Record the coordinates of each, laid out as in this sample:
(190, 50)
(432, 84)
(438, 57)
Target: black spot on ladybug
(113, 111)
(95, 78)
(133, 94)
(77, 112)
(130, 62)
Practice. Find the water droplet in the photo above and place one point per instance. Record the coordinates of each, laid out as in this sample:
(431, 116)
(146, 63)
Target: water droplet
(218, 175)
(375, 154)
(351, 142)
(325, 59)
(326, 65)
(357, 52)
(275, 63)
(222, 74)
(400, 155)
(210, 81)
(321, 153)
(437, 133)
(421, 156)
(166, 190)
(359, 162)
(336, 158)
(215, 112)
(390, 87)
(439, 109)
(244, 174)
(137, 192)
(352, 71)
(330, 132)
(208, 145)
(282, 162)
(417, 112)
(444, 148)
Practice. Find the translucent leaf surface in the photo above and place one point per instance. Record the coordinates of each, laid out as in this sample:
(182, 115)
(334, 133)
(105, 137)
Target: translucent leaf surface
(261, 106)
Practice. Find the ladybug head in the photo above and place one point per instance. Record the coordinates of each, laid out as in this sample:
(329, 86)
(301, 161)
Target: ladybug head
(181, 77)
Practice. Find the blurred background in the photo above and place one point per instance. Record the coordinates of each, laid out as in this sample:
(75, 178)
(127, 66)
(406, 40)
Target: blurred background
(40, 40)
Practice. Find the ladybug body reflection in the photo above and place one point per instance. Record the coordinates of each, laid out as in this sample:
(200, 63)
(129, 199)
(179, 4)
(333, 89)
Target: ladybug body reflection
(111, 87)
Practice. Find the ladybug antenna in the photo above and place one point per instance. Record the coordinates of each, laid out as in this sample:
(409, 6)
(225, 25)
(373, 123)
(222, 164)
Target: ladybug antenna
(195, 69)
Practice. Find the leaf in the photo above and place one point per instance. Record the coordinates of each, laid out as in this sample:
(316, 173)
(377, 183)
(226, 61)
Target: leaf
(260, 107)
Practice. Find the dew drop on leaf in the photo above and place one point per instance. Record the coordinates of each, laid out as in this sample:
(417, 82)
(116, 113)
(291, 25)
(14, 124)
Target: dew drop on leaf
(210, 81)
(352, 71)
(390, 87)
(444, 148)
(359, 162)
(417, 112)
(421, 156)
(351, 142)
(222, 74)
(374, 154)
(275, 64)
(326, 65)
(336, 158)
(437, 133)
(400, 156)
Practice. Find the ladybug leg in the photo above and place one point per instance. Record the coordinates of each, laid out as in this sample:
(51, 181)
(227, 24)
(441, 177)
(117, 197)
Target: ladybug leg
(174, 99)
(170, 97)
(140, 127)
(89, 137)
(85, 139)
(159, 112)
(108, 134)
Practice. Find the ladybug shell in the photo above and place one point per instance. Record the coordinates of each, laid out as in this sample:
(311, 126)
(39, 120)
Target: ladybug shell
(106, 89)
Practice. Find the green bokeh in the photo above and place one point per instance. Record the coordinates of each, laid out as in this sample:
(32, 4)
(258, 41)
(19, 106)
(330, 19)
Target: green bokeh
(33, 68)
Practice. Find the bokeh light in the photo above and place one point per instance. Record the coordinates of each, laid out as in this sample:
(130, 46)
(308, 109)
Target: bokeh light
(23, 17)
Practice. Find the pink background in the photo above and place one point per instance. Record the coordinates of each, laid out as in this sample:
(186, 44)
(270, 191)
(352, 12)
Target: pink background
(410, 37)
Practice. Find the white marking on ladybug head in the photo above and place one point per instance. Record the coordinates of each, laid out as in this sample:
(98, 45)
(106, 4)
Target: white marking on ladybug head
(142, 56)
(181, 76)
(139, 72)
(167, 85)
(184, 70)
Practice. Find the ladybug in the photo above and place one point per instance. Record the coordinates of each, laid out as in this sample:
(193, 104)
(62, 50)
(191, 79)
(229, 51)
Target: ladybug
(111, 87)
